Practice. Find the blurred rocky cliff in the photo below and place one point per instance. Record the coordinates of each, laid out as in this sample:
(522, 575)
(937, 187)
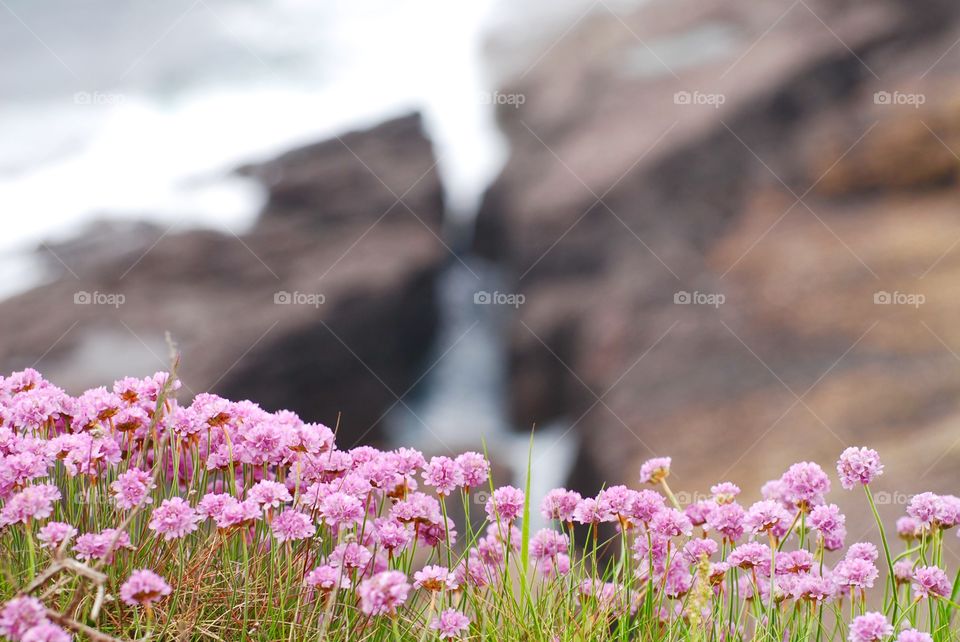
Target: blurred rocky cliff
(798, 159)
(325, 307)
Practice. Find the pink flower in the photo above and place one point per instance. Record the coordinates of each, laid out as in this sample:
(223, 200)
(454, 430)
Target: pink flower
(655, 470)
(33, 502)
(728, 520)
(930, 581)
(269, 494)
(450, 624)
(924, 507)
(505, 504)
(856, 573)
(766, 515)
(863, 551)
(724, 492)
(212, 504)
(475, 469)
(132, 488)
(870, 627)
(341, 509)
(55, 533)
(102, 545)
(806, 484)
(750, 555)
(46, 632)
(443, 474)
(143, 588)
(547, 543)
(292, 525)
(560, 504)
(616, 501)
(350, 555)
(326, 578)
(913, 635)
(588, 511)
(235, 513)
(20, 615)
(383, 593)
(830, 522)
(695, 549)
(434, 578)
(392, 535)
(173, 519)
(858, 466)
(671, 523)
(903, 571)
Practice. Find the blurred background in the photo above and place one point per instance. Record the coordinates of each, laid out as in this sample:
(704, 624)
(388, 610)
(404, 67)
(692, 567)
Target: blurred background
(721, 230)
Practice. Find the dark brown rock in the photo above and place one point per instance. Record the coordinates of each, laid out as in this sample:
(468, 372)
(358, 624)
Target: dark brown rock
(328, 230)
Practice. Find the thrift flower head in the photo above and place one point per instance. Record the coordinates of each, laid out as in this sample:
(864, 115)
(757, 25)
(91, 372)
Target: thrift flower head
(55, 533)
(870, 627)
(341, 509)
(269, 494)
(903, 571)
(46, 632)
(292, 525)
(143, 588)
(475, 469)
(913, 635)
(858, 466)
(655, 470)
(443, 474)
(434, 578)
(19, 615)
(383, 593)
(102, 545)
(671, 523)
(560, 504)
(33, 502)
(647, 503)
(326, 578)
(864, 551)
(856, 573)
(724, 492)
(806, 484)
(450, 624)
(506, 504)
(924, 507)
(766, 515)
(132, 488)
(174, 518)
(930, 581)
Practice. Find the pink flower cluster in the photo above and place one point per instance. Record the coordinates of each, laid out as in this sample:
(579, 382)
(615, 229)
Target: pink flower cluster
(371, 528)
